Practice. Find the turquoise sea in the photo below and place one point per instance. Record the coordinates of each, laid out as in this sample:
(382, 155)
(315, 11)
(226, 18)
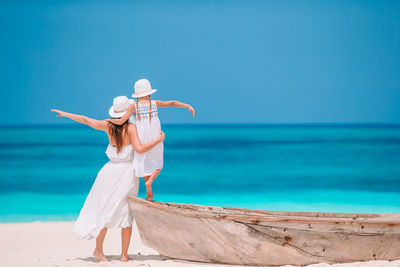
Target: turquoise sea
(46, 172)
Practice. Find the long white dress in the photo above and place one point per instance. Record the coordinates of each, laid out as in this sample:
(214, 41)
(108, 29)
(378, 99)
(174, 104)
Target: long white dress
(107, 204)
(148, 131)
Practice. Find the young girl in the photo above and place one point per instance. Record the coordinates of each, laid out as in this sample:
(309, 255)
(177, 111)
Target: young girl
(149, 164)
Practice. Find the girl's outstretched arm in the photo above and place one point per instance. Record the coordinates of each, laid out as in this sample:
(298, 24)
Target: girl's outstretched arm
(175, 103)
(124, 118)
(96, 124)
(137, 145)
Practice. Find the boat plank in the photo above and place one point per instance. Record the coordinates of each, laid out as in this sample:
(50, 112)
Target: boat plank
(249, 237)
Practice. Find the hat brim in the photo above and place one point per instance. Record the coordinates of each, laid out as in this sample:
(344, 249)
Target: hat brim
(114, 114)
(152, 91)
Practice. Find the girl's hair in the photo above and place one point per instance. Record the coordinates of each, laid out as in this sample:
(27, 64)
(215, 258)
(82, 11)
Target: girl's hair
(117, 132)
(137, 107)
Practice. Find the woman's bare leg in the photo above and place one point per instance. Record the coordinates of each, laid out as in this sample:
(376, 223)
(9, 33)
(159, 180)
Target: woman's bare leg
(126, 238)
(149, 183)
(98, 252)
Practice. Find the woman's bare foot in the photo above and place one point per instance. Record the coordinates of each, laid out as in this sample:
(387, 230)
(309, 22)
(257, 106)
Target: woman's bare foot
(99, 255)
(126, 258)
(149, 190)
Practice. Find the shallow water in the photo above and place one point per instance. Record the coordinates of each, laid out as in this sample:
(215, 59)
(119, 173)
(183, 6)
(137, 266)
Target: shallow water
(304, 168)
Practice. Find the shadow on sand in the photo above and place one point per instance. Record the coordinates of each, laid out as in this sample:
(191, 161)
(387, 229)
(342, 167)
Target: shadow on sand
(140, 258)
(136, 257)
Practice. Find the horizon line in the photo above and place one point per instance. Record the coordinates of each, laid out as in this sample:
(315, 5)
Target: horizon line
(219, 124)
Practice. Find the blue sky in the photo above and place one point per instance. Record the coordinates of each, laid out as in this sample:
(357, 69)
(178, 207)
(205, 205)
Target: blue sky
(234, 61)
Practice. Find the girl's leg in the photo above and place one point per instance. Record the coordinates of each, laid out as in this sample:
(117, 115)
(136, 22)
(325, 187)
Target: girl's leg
(98, 252)
(126, 238)
(149, 182)
(146, 179)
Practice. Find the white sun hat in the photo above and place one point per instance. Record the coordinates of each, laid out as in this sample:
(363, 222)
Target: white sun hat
(120, 106)
(143, 88)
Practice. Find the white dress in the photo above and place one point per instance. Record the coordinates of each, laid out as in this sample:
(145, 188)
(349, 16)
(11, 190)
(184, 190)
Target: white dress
(148, 130)
(107, 203)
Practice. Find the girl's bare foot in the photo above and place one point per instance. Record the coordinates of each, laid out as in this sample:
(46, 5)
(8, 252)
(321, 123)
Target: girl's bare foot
(99, 255)
(149, 190)
(126, 258)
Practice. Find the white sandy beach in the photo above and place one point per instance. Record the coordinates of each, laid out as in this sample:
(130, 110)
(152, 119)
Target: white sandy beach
(54, 244)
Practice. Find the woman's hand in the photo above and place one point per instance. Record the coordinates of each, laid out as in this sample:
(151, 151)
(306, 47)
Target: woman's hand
(96, 124)
(161, 137)
(60, 112)
(191, 109)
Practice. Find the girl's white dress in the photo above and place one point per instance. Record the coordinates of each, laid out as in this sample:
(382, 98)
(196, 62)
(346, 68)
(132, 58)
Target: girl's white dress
(107, 203)
(148, 130)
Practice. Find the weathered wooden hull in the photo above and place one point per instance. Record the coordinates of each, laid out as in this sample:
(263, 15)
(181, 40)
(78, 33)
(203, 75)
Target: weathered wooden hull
(251, 237)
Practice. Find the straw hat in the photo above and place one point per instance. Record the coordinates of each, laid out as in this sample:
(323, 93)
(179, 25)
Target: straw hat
(120, 106)
(143, 88)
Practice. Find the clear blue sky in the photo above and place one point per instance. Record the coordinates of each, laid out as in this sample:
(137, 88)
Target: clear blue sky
(234, 61)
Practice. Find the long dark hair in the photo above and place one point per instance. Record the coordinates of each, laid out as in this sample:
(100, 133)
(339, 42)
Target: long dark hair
(117, 132)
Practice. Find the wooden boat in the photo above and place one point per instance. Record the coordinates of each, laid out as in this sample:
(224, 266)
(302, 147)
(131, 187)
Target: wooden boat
(257, 237)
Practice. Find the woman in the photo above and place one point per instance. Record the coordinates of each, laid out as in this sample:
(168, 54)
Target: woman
(106, 206)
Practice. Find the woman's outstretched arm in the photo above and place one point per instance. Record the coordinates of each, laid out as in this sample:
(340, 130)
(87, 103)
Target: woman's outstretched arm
(137, 145)
(175, 103)
(96, 124)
